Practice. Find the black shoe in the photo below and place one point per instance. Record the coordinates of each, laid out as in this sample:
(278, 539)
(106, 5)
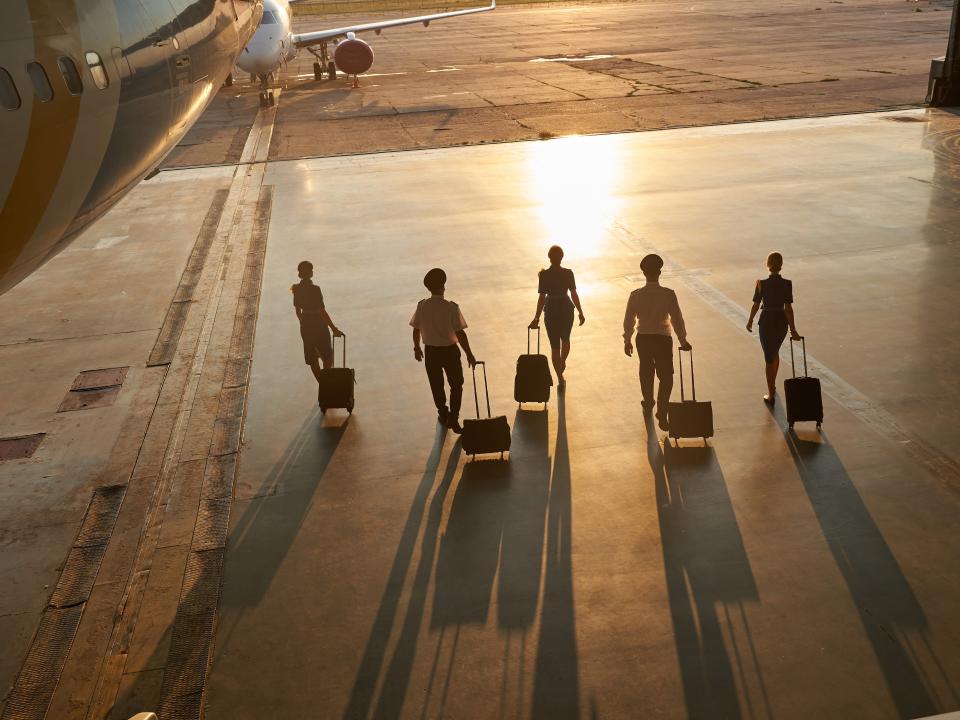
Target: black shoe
(770, 399)
(647, 406)
(454, 425)
(442, 415)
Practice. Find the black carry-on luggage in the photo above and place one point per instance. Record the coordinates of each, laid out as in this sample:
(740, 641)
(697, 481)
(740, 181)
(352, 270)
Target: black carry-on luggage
(689, 418)
(336, 385)
(489, 434)
(533, 380)
(804, 402)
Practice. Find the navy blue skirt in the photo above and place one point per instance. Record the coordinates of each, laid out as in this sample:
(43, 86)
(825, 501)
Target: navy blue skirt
(773, 331)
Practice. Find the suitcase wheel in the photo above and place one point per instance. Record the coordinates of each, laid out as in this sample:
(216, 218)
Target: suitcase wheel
(791, 426)
(350, 408)
(323, 410)
(819, 425)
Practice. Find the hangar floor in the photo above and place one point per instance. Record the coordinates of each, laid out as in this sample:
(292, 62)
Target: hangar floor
(369, 568)
(520, 73)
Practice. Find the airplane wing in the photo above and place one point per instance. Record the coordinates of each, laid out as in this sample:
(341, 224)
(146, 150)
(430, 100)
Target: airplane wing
(312, 38)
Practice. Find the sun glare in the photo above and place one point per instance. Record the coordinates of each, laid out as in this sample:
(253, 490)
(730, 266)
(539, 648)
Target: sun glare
(571, 180)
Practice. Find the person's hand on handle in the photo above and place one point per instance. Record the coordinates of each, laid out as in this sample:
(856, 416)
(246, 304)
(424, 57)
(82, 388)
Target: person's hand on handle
(418, 353)
(794, 335)
(583, 318)
(534, 324)
(471, 360)
(628, 349)
(686, 346)
(337, 332)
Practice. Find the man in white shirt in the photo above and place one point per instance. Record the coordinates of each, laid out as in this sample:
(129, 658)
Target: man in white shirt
(651, 310)
(440, 324)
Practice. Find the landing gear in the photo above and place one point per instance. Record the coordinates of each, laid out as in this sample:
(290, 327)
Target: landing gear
(355, 83)
(267, 98)
(229, 81)
(323, 62)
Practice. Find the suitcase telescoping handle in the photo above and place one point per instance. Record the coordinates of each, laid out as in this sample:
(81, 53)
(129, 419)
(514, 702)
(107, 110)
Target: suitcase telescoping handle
(486, 391)
(528, 340)
(693, 379)
(343, 335)
(793, 367)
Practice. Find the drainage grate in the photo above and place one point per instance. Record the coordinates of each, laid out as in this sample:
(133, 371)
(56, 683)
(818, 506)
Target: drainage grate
(18, 448)
(94, 388)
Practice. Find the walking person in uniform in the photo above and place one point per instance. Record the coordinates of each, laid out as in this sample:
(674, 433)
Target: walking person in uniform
(651, 310)
(315, 323)
(440, 324)
(776, 317)
(555, 283)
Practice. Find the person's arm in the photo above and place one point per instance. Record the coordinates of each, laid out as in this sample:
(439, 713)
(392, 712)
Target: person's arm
(541, 301)
(417, 352)
(576, 304)
(753, 313)
(465, 344)
(788, 311)
(679, 327)
(629, 324)
(329, 323)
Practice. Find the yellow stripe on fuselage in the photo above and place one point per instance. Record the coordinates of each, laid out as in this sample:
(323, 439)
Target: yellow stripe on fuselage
(48, 141)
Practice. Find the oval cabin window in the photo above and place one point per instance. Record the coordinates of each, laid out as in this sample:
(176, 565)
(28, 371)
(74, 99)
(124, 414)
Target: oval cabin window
(97, 71)
(9, 97)
(41, 83)
(71, 76)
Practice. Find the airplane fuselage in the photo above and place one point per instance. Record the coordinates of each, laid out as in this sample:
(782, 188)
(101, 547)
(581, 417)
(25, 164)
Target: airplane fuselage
(93, 95)
(272, 43)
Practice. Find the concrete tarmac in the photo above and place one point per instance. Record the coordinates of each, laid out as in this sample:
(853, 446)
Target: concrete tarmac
(557, 69)
(369, 568)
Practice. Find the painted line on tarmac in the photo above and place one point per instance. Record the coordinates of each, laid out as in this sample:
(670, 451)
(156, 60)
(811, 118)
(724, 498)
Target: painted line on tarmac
(845, 394)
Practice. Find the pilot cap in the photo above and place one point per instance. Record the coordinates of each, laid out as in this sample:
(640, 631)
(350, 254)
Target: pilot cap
(651, 262)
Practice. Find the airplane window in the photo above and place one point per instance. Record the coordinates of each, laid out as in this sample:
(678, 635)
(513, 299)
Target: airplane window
(71, 76)
(9, 97)
(97, 71)
(41, 84)
(268, 18)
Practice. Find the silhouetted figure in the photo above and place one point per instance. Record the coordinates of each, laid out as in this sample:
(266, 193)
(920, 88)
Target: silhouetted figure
(555, 283)
(315, 323)
(651, 310)
(441, 325)
(776, 294)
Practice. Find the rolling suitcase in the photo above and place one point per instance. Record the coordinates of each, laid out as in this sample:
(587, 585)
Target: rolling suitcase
(802, 394)
(336, 385)
(533, 380)
(489, 434)
(689, 418)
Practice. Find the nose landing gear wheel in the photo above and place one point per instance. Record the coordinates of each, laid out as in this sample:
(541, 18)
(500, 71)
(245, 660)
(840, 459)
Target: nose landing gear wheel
(317, 71)
(331, 70)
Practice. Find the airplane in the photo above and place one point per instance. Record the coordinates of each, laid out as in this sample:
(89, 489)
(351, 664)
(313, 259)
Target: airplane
(93, 95)
(274, 44)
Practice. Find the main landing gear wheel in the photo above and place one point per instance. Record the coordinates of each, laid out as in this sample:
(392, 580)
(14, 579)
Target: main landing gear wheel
(317, 71)
(332, 70)
(267, 99)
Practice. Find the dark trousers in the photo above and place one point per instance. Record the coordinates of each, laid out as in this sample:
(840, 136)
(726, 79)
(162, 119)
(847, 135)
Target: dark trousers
(440, 360)
(655, 353)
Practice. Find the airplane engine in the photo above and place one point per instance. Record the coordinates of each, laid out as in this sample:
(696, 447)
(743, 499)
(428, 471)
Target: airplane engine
(353, 56)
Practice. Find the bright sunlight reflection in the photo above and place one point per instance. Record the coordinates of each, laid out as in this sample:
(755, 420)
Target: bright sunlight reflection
(572, 179)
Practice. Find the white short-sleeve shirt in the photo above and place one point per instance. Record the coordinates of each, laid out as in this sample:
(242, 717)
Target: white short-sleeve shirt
(438, 321)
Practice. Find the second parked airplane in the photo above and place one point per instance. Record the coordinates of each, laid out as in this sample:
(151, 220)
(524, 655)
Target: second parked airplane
(274, 43)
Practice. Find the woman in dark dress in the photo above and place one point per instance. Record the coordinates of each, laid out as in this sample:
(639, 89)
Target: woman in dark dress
(776, 317)
(557, 307)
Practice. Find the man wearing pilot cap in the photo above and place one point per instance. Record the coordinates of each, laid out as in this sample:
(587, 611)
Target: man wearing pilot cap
(651, 311)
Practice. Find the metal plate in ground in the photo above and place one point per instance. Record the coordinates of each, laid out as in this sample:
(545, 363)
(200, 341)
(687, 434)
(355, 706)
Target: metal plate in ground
(97, 379)
(84, 399)
(18, 448)
(30, 696)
